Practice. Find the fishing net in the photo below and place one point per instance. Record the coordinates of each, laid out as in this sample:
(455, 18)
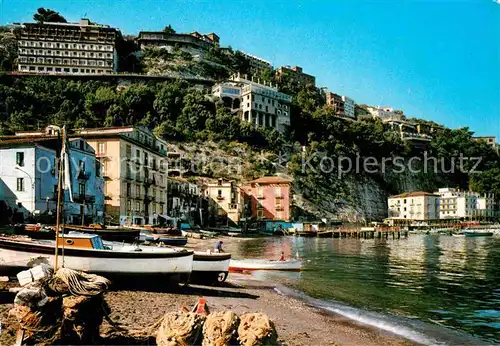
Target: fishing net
(220, 329)
(180, 329)
(256, 329)
(77, 283)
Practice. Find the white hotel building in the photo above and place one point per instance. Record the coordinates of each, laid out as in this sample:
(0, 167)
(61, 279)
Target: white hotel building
(256, 103)
(67, 48)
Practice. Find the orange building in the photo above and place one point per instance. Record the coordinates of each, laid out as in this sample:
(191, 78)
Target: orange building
(269, 198)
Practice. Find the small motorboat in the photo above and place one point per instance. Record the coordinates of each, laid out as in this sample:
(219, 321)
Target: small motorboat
(36, 231)
(210, 267)
(261, 264)
(161, 238)
(87, 252)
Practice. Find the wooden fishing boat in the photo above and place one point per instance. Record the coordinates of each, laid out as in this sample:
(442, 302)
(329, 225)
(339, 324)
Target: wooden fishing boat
(107, 233)
(210, 267)
(36, 231)
(87, 252)
(160, 238)
(261, 264)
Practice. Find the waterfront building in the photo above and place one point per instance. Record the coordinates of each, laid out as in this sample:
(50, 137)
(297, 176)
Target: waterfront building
(269, 198)
(29, 174)
(295, 75)
(67, 48)
(490, 140)
(183, 199)
(349, 107)
(135, 172)
(169, 41)
(256, 103)
(456, 204)
(226, 201)
(414, 206)
(256, 62)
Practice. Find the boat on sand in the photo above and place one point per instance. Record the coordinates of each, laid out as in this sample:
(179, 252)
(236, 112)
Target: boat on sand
(262, 264)
(88, 253)
(210, 267)
(107, 233)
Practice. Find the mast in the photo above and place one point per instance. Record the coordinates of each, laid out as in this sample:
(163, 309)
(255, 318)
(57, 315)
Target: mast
(59, 201)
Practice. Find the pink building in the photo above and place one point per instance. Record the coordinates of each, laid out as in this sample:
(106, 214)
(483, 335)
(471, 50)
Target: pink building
(269, 198)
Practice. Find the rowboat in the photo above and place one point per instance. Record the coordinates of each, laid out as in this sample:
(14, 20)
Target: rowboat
(210, 267)
(87, 252)
(109, 233)
(261, 264)
(478, 234)
(208, 233)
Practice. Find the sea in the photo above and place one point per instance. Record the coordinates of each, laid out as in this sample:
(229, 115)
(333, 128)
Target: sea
(432, 289)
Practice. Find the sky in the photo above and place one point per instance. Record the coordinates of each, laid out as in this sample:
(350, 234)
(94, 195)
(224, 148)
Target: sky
(434, 59)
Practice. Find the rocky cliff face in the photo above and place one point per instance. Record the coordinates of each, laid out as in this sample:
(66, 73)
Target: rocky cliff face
(364, 198)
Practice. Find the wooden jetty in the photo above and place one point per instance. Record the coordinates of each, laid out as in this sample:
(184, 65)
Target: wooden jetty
(360, 233)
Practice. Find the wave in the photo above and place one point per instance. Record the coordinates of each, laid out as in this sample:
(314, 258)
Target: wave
(414, 330)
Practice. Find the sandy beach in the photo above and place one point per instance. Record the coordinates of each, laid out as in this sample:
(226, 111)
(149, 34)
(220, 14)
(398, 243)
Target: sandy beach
(138, 305)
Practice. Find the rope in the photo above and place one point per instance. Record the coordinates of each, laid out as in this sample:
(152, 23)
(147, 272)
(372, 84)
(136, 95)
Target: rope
(78, 283)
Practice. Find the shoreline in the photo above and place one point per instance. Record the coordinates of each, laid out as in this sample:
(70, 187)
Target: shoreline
(297, 323)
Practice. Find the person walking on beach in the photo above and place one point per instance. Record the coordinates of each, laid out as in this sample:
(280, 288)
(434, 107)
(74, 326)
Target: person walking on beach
(282, 257)
(218, 246)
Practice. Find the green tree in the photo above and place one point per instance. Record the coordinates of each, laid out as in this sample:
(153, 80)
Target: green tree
(48, 15)
(168, 29)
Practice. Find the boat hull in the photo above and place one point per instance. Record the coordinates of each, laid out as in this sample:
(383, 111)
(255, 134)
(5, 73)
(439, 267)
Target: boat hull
(478, 234)
(210, 268)
(20, 255)
(251, 265)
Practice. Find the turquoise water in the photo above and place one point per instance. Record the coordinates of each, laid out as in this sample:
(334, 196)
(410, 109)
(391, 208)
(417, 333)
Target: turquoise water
(445, 281)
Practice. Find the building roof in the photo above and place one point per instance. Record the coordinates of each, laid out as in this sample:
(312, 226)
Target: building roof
(270, 180)
(414, 194)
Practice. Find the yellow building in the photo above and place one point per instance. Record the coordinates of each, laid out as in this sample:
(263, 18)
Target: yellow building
(134, 167)
(226, 201)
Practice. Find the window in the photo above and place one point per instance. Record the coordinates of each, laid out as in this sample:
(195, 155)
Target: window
(259, 192)
(138, 155)
(128, 150)
(278, 191)
(20, 184)
(137, 190)
(81, 165)
(129, 190)
(137, 207)
(97, 168)
(145, 159)
(279, 215)
(101, 149)
(20, 159)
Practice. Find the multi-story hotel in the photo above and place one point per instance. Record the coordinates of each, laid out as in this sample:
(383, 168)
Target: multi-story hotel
(259, 104)
(349, 107)
(256, 62)
(457, 204)
(490, 140)
(414, 206)
(336, 102)
(269, 198)
(29, 174)
(169, 40)
(295, 74)
(68, 48)
(385, 113)
(135, 171)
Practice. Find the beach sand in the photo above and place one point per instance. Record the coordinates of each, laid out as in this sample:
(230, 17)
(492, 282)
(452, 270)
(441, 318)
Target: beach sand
(139, 305)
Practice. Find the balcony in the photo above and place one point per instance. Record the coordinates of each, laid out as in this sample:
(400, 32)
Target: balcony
(219, 198)
(148, 181)
(279, 207)
(260, 197)
(83, 198)
(128, 176)
(138, 178)
(233, 206)
(279, 197)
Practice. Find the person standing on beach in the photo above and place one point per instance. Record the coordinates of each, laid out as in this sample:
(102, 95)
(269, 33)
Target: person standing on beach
(218, 246)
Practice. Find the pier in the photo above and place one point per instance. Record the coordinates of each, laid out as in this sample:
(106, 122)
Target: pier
(359, 233)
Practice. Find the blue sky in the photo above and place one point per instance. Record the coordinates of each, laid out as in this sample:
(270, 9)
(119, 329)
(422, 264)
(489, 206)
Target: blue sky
(438, 60)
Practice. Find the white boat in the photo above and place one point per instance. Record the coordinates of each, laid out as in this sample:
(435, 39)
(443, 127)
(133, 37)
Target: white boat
(261, 264)
(87, 252)
(210, 267)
